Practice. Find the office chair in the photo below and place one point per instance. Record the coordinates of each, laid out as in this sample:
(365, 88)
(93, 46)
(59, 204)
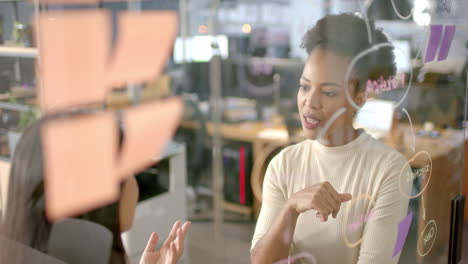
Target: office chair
(262, 159)
(259, 167)
(80, 241)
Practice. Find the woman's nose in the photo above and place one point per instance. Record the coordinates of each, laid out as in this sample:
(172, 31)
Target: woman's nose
(313, 99)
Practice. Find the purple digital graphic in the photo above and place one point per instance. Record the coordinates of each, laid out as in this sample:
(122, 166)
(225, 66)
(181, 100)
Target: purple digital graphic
(363, 219)
(403, 228)
(449, 33)
(436, 38)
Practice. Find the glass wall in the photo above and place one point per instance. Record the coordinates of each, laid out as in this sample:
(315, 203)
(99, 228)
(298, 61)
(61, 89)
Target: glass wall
(362, 97)
(286, 131)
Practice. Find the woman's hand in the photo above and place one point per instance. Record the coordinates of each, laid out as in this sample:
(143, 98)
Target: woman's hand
(172, 249)
(321, 197)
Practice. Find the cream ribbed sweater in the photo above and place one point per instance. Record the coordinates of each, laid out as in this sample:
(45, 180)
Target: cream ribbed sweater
(363, 166)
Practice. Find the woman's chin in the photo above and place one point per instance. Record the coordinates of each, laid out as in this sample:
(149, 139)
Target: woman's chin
(311, 134)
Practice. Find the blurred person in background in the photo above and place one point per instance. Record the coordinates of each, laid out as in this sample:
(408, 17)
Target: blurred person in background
(25, 218)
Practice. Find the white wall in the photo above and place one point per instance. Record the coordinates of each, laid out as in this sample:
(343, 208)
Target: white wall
(303, 15)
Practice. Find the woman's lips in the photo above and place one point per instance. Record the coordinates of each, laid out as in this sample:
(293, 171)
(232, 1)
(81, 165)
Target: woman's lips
(310, 122)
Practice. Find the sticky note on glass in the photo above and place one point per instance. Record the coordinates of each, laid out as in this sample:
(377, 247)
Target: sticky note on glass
(144, 43)
(148, 128)
(79, 164)
(403, 229)
(73, 48)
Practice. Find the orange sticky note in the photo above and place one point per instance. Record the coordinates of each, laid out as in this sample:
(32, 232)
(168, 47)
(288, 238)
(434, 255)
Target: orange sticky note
(148, 127)
(144, 44)
(79, 164)
(73, 49)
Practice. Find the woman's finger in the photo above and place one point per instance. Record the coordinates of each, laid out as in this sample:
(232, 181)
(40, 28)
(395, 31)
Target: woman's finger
(345, 197)
(328, 197)
(173, 249)
(336, 205)
(337, 198)
(174, 255)
(152, 243)
(322, 209)
(185, 228)
(335, 213)
(172, 234)
(179, 242)
(327, 201)
(333, 193)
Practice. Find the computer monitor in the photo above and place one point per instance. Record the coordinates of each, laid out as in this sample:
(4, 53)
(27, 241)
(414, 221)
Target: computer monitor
(376, 117)
(198, 48)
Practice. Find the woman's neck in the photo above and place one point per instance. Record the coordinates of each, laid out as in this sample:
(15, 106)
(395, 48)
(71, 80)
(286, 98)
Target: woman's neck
(340, 138)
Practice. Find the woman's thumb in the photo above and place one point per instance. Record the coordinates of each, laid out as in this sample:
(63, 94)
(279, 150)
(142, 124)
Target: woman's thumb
(345, 197)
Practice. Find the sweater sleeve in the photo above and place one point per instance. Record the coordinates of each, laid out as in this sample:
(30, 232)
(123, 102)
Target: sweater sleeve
(390, 208)
(273, 199)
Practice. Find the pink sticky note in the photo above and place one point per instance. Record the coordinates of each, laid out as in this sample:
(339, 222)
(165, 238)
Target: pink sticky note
(143, 46)
(73, 48)
(79, 160)
(148, 127)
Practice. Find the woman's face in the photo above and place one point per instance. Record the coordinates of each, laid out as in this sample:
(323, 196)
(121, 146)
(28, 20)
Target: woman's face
(321, 94)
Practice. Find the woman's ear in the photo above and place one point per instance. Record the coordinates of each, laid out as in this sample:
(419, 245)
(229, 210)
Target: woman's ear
(360, 95)
(360, 98)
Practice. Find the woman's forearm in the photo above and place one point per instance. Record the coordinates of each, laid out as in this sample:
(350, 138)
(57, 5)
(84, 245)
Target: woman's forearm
(275, 244)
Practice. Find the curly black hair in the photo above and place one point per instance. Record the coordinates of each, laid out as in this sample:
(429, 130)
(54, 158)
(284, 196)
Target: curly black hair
(346, 35)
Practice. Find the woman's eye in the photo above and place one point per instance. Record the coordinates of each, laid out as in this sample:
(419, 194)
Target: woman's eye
(304, 88)
(329, 94)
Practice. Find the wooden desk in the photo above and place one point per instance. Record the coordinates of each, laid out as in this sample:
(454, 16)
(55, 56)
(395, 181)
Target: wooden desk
(246, 132)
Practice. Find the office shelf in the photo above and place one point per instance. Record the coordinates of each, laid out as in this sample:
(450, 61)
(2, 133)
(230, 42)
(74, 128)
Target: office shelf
(15, 107)
(6, 51)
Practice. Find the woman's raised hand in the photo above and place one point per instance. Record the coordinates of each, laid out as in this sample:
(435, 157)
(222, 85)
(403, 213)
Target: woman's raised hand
(172, 249)
(321, 197)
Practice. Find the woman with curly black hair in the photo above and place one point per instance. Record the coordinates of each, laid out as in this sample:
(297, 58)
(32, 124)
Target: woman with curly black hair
(337, 165)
